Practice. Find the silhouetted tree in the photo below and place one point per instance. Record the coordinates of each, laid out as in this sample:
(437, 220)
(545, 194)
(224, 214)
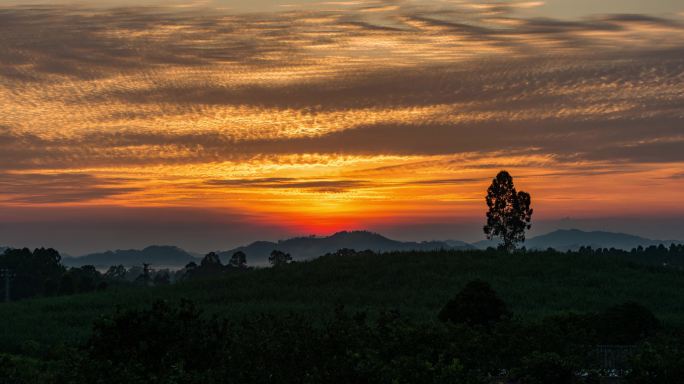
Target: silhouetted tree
(210, 266)
(34, 273)
(278, 258)
(239, 259)
(145, 278)
(162, 278)
(509, 212)
(88, 278)
(116, 273)
(475, 304)
(211, 260)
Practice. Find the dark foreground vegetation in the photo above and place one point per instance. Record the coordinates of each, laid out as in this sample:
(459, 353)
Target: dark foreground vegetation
(432, 317)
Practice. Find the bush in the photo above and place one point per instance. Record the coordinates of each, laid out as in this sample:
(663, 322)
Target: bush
(627, 323)
(475, 305)
(543, 368)
(659, 361)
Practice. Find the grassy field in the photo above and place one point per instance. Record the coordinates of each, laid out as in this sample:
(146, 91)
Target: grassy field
(417, 284)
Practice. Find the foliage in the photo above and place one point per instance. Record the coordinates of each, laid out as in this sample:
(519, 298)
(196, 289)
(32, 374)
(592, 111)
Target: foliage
(178, 343)
(242, 325)
(416, 283)
(34, 273)
(626, 324)
(23, 370)
(658, 361)
(279, 258)
(475, 305)
(115, 273)
(238, 260)
(509, 213)
(544, 368)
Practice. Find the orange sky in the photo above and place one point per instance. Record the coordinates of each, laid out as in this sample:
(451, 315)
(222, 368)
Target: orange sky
(364, 117)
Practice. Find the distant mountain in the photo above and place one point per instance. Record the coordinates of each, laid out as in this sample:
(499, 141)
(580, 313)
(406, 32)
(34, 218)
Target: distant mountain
(573, 239)
(158, 256)
(304, 248)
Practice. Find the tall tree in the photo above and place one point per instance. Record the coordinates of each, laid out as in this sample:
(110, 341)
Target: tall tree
(116, 272)
(211, 260)
(279, 257)
(509, 214)
(239, 259)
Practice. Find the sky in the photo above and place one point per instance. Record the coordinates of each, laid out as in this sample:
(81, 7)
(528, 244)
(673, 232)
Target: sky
(210, 124)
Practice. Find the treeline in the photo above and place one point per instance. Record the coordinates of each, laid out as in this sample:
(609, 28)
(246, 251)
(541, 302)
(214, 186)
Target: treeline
(41, 273)
(652, 255)
(478, 341)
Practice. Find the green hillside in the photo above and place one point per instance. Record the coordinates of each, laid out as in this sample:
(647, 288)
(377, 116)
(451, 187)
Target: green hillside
(417, 284)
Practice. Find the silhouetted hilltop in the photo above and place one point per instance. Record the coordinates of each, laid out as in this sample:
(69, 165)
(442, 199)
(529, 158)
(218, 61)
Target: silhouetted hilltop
(157, 255)
(304, 248)
(573, 239)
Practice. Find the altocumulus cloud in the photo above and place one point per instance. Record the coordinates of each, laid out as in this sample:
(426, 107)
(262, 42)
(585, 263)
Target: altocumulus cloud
(132, 87)
(58, 188)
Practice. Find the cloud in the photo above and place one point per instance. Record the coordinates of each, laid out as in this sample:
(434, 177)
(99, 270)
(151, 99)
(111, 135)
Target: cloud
(331, 186)
(141, 87)
(34, 188)
(677, 176)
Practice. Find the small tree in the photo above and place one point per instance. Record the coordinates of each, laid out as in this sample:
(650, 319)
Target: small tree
(509, 212)
(278, 258)
(116, 272)
(239, 259)
(211, 260)
(475, 304)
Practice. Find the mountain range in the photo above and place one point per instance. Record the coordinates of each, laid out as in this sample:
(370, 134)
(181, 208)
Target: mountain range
(306, 248)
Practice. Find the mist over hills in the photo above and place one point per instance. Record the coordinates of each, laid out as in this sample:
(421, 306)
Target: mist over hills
(573, 239)
(157, 255)
(306, 248)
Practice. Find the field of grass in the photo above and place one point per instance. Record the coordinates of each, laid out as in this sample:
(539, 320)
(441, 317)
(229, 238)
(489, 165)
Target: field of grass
(417, 284)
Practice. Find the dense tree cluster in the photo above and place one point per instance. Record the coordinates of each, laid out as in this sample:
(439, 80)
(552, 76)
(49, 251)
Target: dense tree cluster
(179, 344)
(478, 340)
(211, 266)
(33, 273)
(40, 273)
(278, 258)
(476, 305)
(661, 255)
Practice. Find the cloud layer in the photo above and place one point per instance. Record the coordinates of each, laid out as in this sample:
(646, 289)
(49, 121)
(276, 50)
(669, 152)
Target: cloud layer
(365, 109)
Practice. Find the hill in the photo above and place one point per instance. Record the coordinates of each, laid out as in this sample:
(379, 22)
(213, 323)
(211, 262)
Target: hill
(160, 256)
(573, 239)
(306, 248)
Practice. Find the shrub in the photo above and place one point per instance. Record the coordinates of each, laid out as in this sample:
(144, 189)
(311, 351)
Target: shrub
(475, 305)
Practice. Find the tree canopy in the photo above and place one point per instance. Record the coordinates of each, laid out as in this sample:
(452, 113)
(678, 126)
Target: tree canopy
(475, 305)
(279, 257)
